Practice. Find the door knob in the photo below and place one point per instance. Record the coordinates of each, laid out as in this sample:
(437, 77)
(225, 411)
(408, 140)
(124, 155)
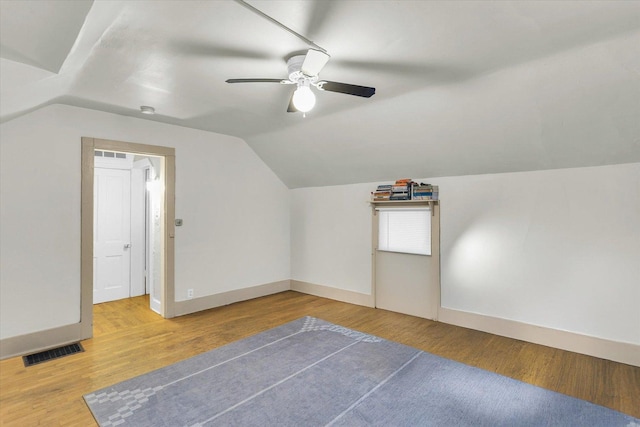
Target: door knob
(127, 245)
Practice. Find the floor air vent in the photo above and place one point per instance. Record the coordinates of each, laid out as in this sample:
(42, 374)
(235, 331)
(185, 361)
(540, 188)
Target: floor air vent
(54, 353)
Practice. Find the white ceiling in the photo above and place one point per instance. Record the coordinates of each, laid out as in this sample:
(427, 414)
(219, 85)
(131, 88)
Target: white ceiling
(462, 87)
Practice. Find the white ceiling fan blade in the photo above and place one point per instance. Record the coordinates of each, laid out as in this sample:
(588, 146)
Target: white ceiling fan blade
(314, 61)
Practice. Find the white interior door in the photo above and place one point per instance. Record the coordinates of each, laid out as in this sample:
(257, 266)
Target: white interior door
(155, 201)
(138, 227)
(112, 234)
(409, 283)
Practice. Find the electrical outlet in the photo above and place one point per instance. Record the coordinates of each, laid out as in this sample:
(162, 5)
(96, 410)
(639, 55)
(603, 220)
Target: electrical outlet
(189, 293)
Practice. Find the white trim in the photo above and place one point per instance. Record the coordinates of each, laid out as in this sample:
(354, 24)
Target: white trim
(211, 301)
(598, 347)
(333, 293)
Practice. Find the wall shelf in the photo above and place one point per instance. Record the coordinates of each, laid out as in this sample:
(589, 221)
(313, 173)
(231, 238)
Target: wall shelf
(400, 203)
(403, 202)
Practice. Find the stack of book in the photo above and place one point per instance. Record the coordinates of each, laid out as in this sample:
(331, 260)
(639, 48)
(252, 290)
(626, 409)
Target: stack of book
(382, 193)
(405, 189)
(425, 192)
(401, 190)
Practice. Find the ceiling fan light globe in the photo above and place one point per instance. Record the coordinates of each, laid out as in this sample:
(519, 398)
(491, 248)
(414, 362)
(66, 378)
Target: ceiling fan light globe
(304, 99)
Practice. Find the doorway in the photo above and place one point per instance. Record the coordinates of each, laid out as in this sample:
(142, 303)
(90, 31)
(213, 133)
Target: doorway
(127, 226)
(407, 280)
(165, 224)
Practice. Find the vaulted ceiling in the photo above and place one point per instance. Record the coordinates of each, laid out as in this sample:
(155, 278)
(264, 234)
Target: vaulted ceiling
(462, 87)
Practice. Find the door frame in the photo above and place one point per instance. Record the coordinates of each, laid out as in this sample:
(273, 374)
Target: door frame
(89, 145)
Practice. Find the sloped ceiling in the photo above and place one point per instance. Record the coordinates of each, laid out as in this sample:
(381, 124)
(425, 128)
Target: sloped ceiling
(462, 87)
(41, 34)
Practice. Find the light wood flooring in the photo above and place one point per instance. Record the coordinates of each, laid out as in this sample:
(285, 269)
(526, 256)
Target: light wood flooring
(130, 340)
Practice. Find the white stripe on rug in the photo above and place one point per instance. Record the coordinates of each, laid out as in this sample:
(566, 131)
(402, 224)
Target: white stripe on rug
(231, 408)
(383, 382)
(229, 360)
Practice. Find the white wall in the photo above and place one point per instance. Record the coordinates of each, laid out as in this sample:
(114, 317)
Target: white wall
(235, 212)
(559, 248)
(331, 236)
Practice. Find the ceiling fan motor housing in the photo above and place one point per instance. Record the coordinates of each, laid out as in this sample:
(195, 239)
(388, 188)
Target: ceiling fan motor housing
(294, 64)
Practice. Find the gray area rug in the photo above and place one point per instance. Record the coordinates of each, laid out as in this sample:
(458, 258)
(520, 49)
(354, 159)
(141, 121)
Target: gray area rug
(313, 373)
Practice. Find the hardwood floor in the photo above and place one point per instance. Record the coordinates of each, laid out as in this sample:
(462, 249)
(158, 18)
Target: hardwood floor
(130, 340)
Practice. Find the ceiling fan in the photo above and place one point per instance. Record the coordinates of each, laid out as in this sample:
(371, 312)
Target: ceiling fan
(303, 72)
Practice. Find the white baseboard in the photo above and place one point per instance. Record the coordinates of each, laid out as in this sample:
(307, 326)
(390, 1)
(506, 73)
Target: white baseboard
(333, 293)
(39, 341)
(211, 301)
(598, 347)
